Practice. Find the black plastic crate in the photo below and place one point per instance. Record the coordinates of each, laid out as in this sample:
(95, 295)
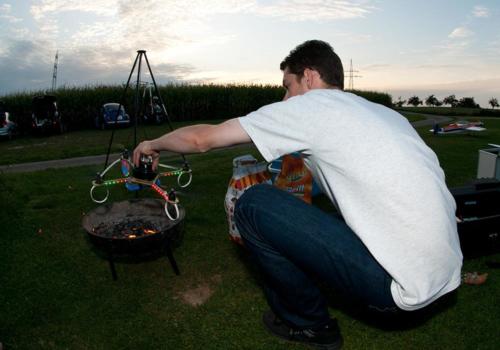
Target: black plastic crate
(478, 209)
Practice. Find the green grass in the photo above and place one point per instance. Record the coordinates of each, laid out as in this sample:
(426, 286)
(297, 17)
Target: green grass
(413, 117)
(78, 143)
(458, 153)
(87, 142)
(56, 293)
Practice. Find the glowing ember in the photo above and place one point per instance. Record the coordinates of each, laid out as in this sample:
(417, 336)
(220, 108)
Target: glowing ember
(128, 229)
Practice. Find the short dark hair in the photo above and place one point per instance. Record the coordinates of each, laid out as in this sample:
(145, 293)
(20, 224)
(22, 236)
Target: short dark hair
(317, 55)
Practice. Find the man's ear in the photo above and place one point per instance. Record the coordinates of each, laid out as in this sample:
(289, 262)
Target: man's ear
(312, 77)
(308, 75)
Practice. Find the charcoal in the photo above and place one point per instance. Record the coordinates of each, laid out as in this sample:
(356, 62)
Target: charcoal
(130, 229)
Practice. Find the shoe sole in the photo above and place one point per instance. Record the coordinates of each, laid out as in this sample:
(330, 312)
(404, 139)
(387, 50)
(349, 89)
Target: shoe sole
(334, 346)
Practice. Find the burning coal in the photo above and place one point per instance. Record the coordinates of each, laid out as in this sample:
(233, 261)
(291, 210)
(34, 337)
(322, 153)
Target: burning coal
(125, 230)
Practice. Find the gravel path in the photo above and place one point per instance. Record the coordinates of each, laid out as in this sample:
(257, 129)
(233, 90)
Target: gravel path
(431, 119)
(80, 161)
(91, 160)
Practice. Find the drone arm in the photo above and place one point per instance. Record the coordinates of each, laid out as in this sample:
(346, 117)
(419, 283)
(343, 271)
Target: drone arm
(109, 167)
(160, 165)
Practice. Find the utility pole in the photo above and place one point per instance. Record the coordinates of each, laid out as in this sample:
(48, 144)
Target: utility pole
(54, 73)
(351, 76)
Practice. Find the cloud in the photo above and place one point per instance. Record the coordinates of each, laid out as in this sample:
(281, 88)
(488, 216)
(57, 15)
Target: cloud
(290, 9)
(322, 10)
(101, 46)
(377, 66)
(481, 12)
(440, 66)
(5, 10)
(454, 47)
(48, 7)
(168, 21)
(22, 66)
(11, 19)
(28, 66)
(456, 43)
(460, 32)
(168, 72)
(353, 37)
(493, 47)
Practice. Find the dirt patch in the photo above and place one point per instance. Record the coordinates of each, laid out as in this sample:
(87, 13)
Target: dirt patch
(199, 294)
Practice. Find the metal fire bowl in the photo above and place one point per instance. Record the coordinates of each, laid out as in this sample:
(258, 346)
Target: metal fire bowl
(150, 210)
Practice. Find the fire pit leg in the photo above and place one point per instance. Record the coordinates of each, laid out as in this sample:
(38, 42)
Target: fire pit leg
(111, 261)
(170, 257)
(112, 267)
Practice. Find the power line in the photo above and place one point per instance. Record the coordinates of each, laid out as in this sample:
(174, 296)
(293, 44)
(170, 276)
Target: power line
(351, 76)
(54, 73)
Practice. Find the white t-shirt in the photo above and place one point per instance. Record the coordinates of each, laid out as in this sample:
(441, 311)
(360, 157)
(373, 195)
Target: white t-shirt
(381, 176)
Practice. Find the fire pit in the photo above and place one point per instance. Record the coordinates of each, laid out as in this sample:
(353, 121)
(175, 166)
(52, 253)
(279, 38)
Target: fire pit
(133, 228)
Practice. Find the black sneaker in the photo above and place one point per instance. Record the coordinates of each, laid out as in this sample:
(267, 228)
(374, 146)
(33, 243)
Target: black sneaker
(327, 337)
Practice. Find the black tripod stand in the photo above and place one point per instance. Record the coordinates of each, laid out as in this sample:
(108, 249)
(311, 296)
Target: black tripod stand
(170, 197)
(137, 106)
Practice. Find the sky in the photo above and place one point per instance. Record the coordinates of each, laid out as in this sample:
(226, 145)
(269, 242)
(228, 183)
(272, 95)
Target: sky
(404, 47)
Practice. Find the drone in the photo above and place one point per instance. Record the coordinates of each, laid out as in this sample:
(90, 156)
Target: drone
(138, 177)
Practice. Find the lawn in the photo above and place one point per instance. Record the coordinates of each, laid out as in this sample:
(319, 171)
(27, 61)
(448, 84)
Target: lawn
(458, 153)
(78, 143)
(412, 117)
(57, 293)
(87, 142)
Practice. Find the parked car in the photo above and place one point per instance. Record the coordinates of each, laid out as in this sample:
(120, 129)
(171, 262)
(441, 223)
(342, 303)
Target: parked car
(45, 116)
(8, 128)
(152, 108)
(110, 117)
(153, 113)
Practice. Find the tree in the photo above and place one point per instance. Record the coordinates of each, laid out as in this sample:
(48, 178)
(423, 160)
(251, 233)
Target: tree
(432, 101)
(493, 102)
(450, 100)
(414, 101)
(400, 102)
(467, 102)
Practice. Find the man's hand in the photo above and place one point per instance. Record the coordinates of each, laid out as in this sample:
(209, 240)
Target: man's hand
(147, 149)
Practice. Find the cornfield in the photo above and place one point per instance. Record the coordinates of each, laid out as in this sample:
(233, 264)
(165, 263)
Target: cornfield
(80, 105)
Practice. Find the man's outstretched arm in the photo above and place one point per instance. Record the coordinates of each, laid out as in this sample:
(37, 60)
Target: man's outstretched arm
(194, 139)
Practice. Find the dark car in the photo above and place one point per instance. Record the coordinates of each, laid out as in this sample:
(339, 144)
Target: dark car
(110, 117)
(45, 116)
(8, 128)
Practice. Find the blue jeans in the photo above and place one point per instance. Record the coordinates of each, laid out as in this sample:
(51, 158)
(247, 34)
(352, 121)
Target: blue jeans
(293, 242)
